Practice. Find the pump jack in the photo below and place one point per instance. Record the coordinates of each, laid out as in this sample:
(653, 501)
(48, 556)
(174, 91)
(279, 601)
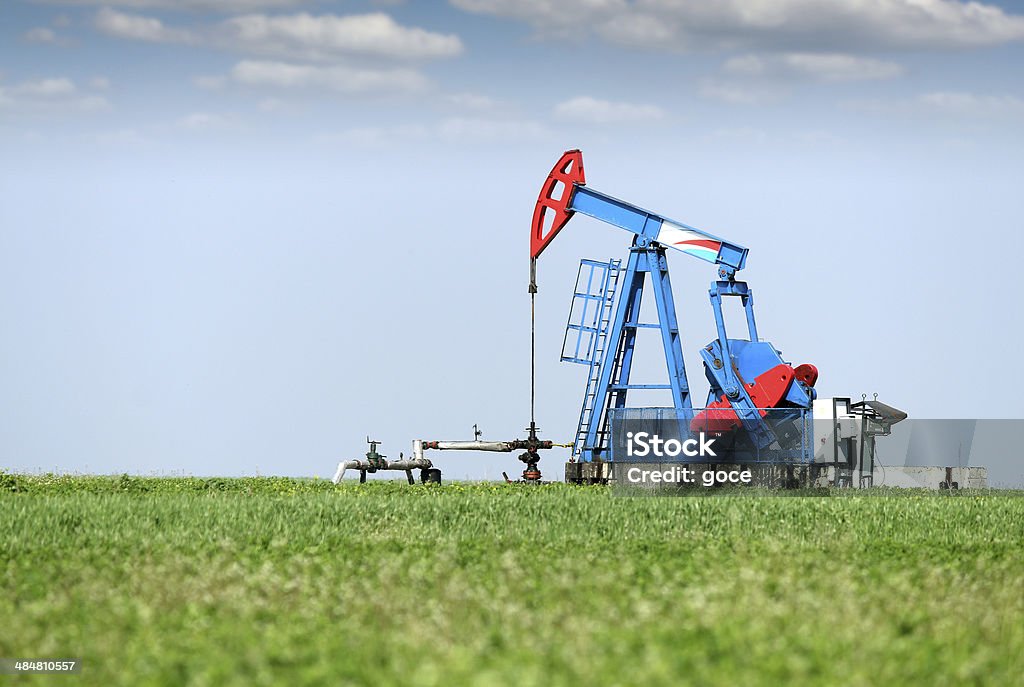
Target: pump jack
(748, 377)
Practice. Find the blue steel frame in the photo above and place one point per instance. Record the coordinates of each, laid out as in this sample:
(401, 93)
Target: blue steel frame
(725, 375)
(647, 257)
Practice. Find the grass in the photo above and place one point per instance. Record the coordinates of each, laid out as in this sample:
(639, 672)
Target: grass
(278, 581)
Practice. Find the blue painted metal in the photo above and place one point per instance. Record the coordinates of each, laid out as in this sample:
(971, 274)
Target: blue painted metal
(645, 258)
(600, 337)
(729, 363)
(591, 305)
(645, 223)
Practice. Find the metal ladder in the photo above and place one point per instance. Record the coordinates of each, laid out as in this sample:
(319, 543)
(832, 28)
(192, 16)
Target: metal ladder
(607, 301)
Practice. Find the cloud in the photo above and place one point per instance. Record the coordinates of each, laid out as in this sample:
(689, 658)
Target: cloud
(50, 95)
(818, 67)
(377, 136)
(210, 82)
(954, 104)
(589, 110)
(757, 79)
(46, 88)
(963, 103)
(277, 105)
(753, 136)
(138, 27)
(735, 92)
(300, 44)
(453, 130)
(339, 78)
(550, 14)
(40, 35)
(787, 25)
(472, 101)
(198, 121)
(303, 36)
(744, 135)
(128, 138)
(478, 130)
(329, 36)
(225, 6)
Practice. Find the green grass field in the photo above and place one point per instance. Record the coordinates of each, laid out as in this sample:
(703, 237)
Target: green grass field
(277, 581)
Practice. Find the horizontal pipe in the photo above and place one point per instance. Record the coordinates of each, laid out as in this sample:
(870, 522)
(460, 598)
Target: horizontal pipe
(498, 446)
(407, 464)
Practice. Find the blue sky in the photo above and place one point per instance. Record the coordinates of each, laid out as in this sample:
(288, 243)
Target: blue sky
(241, 235)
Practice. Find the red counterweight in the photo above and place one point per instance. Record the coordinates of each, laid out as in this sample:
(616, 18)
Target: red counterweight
(766, 391)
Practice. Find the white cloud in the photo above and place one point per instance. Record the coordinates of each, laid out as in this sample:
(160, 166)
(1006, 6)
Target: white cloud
(764, 78)
(203, 120)
(377, 136)
(816, 66)
(472, 101)
(45, 88)
(137, 27)
(478, 130)
(298, 45)
(90, 103)
(277, 105)
(753, 136)
(792, 25)
(737, 92)
(225, 6)
(454, 130)
(557, 14)
(954, 104)
(100, 83)
(837, 67)
(40, 35)
(963, 103)
(744, 135)
(210, 82)
(327, 36)
(745, 65)
(594, 111)
(303, 36)
(128, 138)
(338, 78)
(51, 95)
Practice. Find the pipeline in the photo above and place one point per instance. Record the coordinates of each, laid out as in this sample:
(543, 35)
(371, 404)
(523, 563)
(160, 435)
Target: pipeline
(419, 446)
(375, 461)
(530, 448)
(365, 466)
